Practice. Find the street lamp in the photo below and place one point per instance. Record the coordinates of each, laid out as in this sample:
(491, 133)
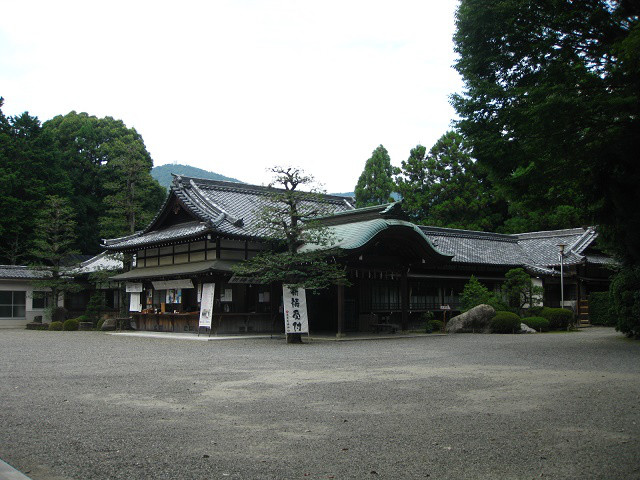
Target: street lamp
(561, 249)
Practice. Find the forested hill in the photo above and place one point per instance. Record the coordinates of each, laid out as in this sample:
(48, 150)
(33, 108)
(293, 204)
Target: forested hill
(162, 174)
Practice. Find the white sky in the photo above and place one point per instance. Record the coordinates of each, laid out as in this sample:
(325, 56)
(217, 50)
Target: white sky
(237, 86)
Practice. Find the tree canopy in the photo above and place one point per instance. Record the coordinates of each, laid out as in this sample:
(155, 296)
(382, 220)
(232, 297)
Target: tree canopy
(375, 184)
(285, 221)
(112, 188)
(551, 109)
(446, 187)
(101, 166)
(54, 237)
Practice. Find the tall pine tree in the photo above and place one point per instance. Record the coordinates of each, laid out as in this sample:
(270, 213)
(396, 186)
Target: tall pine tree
(375, 184)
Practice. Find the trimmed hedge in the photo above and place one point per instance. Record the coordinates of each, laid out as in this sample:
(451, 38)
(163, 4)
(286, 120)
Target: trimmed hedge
(559, 318)
(70, 325)
(434, 326)
(600, 309)
(539, 324)
(57, 326)
(505, 322)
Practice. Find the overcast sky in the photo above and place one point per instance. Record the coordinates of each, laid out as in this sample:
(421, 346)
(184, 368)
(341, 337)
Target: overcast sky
(237, 86)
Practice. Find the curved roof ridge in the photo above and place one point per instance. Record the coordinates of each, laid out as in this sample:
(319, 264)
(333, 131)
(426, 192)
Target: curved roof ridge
(258, 189)
(457, 232)
(584, 241)
(550, 233)
(112, 241)
(208, 206)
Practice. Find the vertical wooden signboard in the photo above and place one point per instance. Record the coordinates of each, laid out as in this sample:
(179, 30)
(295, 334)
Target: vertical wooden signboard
(294, 301)
(206, 306)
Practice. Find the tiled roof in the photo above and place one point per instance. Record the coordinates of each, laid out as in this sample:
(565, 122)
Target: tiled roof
(354, 235)
(233, 210)
(19, 272)
(225, 208)
(102, 261)
(173, 233)
(468, 246)
(173, 270)
(542, 247)
(535, 250)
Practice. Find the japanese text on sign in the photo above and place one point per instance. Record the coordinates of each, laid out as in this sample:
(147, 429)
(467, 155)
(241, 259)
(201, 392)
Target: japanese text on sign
(294, 301)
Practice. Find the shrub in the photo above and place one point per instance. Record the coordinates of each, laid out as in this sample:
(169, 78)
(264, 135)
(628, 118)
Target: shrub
(100, 322)
(559, 318)
(505, 322)
(434, 326)
(57, 326)
(625, 299)
(70, 325)
(540, 324)
(474, 293)
(535, 311)
(600, 309)
(37, 326)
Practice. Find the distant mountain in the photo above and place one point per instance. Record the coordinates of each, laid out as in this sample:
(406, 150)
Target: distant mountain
(162, 174)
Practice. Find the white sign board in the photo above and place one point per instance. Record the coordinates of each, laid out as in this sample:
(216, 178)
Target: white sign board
(135, 305)
(445, 307)
(206, 305)
(294, 301)
(133, 287)
(172, 284)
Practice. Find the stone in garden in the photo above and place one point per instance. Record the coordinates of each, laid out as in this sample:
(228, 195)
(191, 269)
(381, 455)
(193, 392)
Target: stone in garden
(109, 324)
(474, 320)
(526, 329)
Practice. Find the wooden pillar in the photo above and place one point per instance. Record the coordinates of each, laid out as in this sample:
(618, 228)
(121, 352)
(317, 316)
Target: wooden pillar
(404, 300)
(340, 297)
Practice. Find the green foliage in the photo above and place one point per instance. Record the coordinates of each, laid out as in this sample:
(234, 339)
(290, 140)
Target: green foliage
(625, 296)
(540, 324)
(434, 325)
(53, 245)
(313, 267)
(313, 270)
(131, 194)
(559, 318)
(474, 293)
(505, 322)
(98, 164)
(519, 290)
(446, 187)
(95, 306)
(551, 109)
(535, 311)
(28, 173)
(112, 188)
(56, 326)
(70, 325)
(600, 311)
(375, 184)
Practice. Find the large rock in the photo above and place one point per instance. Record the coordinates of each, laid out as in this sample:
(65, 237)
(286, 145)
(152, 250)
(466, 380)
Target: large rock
(475, 320)
(524, 328)
(109, 324)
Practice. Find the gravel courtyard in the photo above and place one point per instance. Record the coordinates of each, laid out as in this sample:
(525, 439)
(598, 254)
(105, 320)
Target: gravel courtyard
(87, 405)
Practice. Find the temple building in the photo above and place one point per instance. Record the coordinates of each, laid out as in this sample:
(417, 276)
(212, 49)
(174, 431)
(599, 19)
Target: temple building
(397, 270)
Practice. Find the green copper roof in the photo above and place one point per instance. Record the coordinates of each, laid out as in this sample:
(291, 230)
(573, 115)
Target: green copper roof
(352, 236)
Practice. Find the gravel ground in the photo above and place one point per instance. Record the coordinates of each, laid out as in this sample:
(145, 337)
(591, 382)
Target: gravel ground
(86, 405)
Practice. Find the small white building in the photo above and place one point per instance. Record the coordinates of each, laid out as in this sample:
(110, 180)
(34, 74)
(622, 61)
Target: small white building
(20, 300)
